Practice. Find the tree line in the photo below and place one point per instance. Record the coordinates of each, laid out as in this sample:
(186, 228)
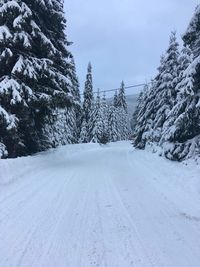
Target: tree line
(103, 121)
(167, 117)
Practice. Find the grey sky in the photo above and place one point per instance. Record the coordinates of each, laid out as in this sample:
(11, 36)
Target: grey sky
(123, 39)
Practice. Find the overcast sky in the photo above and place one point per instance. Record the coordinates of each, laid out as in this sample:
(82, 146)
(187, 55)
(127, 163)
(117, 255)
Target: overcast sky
(123, 39)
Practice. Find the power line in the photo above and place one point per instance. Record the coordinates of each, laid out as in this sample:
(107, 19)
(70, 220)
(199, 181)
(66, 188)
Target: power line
(127, 87)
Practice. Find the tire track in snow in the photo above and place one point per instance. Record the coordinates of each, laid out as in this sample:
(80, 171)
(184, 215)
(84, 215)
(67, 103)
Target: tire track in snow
(176, 232)
(22, 196)
(45, 223)
(67, 221)
(30, 216)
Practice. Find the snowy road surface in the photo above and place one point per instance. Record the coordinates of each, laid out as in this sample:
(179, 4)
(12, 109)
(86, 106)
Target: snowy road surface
(91, 205)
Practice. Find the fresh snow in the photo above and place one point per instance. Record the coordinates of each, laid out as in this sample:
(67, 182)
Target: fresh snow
(91, 205)
(4, 33)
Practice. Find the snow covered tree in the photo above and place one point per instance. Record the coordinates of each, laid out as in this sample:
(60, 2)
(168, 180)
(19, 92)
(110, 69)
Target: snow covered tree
(182, 136)
(138, 107)
(145, 116)
(122, 113)
(96, 123)
(113, 129)
(185, 59)
(76, 107)
(121, 98)
(159, 100)
(169, 113)
(88, 106)
(15, 93)
(105, 112)
(174, 124)
(115, 100)
(84, 132)
(99, 122)
(3, 151)
(34, 72)
(166, 83)
(88, 95)
(191, 36)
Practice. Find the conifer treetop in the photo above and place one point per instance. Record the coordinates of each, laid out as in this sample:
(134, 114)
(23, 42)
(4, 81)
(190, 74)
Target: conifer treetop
(122, 97)
(88, 94)
(191, 36)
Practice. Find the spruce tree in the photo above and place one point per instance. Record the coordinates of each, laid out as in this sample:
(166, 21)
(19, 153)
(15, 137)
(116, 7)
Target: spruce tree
(3, 151)
(88, 94)
(95, 125)
(172, 130)
(121, 99)
(15, 69)
(191, 36)
(88, 106)
(34, 73)
(182, 138)
(84, 132)
(122, 111)
(98, 124)
(166, 93)
(159, 99)
(138, 107)
(105, 114)
(115, 99)
(145, 116)
(113, 129)
(76, 110)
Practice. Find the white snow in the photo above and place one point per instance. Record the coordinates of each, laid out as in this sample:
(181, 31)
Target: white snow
(90, 205)
(10, 121)
(4, 33)
(8, 85)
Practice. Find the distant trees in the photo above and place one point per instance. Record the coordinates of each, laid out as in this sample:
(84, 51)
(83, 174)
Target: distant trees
(98, 123)
(88, 95)
(121, 110)
(168, 114)
(103, 121)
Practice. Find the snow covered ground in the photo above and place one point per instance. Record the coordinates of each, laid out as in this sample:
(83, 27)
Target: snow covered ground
(91, 205)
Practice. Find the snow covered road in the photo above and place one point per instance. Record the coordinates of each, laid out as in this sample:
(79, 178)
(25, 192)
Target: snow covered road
(91, 205)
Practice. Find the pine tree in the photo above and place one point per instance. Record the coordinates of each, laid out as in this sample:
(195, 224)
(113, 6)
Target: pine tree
(122, 111)
(175, 123)
(3, 151)
(88, 95)
(88, 106)
(95, 125)
(84, 132)
(121, 99)
(98, 124)
(76, 108)
(114, 134)
(185, 59)
(105, 113)
(138, 107)
(166, 93)
(115, 100)
(15, 93)
(144, 118)
(191, 36)
(159, 100)
(182, 138)
(34, 72)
